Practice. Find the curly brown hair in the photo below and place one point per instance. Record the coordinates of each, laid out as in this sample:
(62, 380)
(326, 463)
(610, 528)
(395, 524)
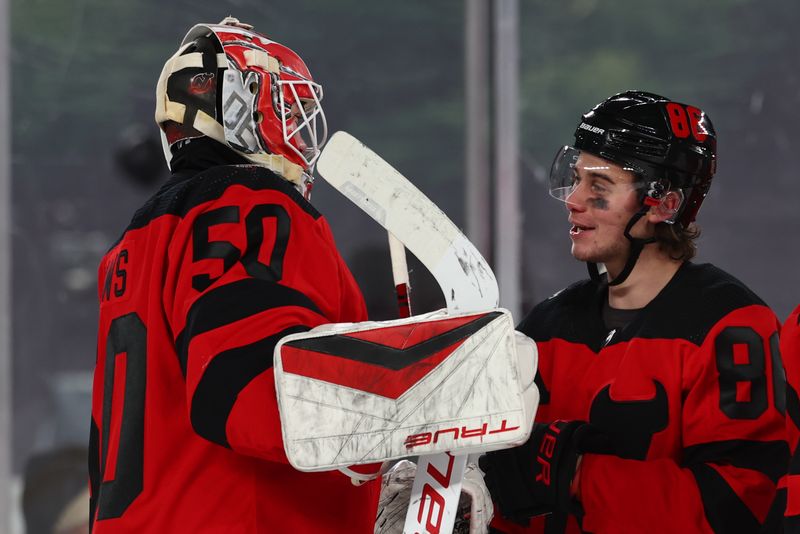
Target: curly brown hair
(677, 241)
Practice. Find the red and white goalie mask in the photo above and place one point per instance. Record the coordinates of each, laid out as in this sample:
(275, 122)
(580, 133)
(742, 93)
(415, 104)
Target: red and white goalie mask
(238, 87)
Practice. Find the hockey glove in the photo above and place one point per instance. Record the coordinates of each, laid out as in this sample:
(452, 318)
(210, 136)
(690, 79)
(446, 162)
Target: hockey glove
(535, 478)
(394, 498)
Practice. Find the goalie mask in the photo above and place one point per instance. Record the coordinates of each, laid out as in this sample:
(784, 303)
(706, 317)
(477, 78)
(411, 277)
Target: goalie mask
(667, 145)
(249, 93)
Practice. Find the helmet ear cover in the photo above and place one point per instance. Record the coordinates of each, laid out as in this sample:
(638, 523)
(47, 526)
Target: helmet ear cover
(663, 201)
(194, 89)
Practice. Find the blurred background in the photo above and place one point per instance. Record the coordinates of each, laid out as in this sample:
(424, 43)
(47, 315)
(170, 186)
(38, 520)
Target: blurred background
(85, 153)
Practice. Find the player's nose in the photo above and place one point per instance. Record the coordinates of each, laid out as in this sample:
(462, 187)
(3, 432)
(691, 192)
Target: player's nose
(576, 199)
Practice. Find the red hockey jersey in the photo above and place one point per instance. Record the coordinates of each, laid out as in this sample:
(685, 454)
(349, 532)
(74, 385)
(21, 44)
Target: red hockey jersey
(691, 393)
(790, 349)
(186, 436)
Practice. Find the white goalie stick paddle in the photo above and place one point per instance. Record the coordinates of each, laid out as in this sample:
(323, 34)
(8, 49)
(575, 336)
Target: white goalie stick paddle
(466, 280)
(464, 276)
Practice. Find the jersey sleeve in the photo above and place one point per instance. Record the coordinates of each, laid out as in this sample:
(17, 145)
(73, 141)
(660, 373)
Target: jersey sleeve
(245, 270)
(733, 446)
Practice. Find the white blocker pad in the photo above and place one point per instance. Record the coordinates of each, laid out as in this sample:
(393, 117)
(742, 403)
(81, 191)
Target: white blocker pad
(367, 392)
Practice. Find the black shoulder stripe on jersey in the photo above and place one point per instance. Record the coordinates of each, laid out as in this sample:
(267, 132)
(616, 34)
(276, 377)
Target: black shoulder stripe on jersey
(725, 511)
(768, 457)
(572, 314)
(703, 294)
(212, 183)
(94, 469)
(224, 378)
(181, 196)
(233, 302)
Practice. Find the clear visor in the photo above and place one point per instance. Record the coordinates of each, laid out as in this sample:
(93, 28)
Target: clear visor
(573, 168)
(305, 128)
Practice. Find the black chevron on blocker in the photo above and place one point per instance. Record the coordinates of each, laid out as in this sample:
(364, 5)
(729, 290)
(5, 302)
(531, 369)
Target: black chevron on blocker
(373, 353)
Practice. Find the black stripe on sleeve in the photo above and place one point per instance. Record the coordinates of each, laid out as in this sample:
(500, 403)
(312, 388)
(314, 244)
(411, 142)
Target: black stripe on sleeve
(793, 411)
(768, 457)
(94, 470)
(228, 374)
(182, 193)
(793, 405)
(794, 463)
(232, 302)
(725, 511)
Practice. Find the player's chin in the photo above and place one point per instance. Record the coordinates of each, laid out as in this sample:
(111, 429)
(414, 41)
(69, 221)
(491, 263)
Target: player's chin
(582, 253)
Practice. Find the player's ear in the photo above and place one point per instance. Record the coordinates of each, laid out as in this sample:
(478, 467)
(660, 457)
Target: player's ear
(666, 208)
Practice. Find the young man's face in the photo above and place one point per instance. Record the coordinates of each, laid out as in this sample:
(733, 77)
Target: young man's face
(600, 205)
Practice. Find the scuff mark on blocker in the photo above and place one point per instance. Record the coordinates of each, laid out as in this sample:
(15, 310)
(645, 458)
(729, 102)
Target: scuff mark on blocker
(328, 425)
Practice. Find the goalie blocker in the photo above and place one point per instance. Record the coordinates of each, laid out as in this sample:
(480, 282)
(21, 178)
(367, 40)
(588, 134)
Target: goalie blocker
(358, 393)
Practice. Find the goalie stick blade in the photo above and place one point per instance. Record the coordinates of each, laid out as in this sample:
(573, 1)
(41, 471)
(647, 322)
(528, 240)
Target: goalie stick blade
(464, 276)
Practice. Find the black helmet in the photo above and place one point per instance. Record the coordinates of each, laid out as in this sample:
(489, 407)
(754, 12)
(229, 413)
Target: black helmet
(660, 140)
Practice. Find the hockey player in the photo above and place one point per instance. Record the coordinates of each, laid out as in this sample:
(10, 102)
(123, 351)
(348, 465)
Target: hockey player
(226, 259)
(662, 387)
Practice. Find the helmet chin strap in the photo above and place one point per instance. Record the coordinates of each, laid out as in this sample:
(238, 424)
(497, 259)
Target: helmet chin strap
(637, 245)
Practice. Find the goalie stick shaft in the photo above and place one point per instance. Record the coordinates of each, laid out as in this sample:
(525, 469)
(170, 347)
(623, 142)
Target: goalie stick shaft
(437, 484)
(464, 276)
(402, 287)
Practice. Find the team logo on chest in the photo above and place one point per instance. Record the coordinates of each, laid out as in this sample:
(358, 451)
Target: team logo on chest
(631, 424)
